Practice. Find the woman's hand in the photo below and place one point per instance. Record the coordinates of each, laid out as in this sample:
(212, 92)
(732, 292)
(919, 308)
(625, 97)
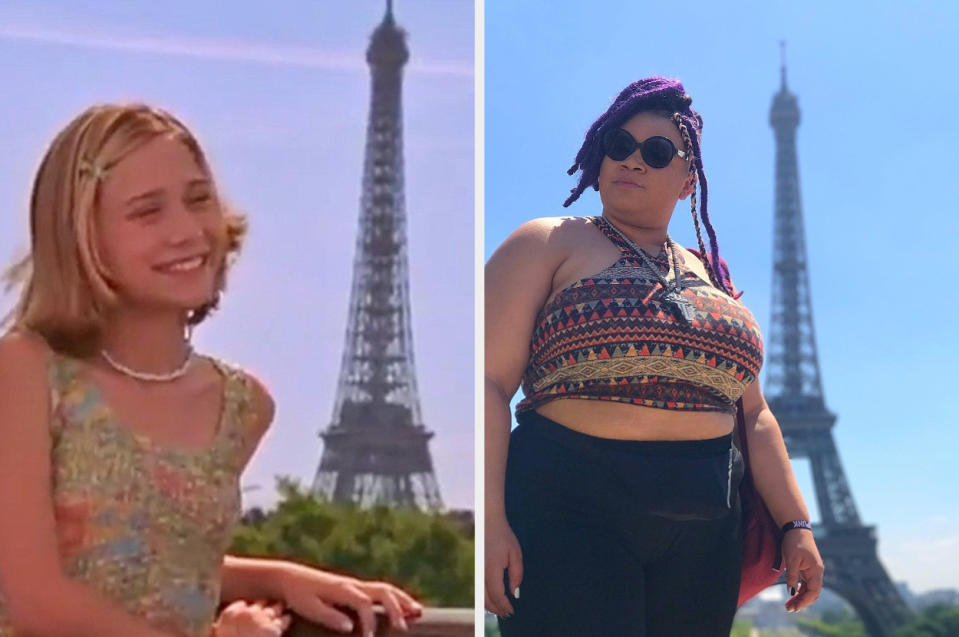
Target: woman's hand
(242, 619)
(804, 568)
(314, 594)
(502, 551)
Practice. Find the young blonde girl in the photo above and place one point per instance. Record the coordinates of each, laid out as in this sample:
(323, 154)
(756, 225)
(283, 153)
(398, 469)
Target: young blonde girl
(120, 447)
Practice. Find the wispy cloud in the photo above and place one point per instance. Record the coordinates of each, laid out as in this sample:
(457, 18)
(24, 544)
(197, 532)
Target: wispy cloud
(218, 49)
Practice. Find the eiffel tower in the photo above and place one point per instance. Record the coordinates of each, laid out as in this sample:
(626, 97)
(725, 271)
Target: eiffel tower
(376, 448)
(794, 393)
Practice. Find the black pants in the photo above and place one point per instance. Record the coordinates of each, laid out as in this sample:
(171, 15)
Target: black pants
(622, 537)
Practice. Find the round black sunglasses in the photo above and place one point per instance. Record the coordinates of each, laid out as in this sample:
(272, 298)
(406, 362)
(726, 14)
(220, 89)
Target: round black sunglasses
(657, 151)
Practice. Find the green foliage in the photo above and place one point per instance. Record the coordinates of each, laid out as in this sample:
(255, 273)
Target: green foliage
(935, 621)
(741, 628)
(833, 623)
(429, 555)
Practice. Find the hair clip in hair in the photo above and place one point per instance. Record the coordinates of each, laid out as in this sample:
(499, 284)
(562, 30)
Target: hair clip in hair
(92, 168)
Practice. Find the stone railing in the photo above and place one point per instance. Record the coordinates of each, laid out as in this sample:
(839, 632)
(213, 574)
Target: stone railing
(435, 622)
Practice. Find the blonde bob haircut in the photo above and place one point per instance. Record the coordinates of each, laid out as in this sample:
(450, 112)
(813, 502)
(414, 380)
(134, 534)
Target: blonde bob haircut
(66, 292)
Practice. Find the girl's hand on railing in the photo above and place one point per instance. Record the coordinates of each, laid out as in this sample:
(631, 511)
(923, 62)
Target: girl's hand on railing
(243, 619)
(314, 594)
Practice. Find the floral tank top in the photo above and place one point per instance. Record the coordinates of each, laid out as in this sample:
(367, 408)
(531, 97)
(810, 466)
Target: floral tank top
(145, 525)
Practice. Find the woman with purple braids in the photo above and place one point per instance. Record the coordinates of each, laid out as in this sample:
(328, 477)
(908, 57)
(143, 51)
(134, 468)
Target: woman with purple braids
(613, 507)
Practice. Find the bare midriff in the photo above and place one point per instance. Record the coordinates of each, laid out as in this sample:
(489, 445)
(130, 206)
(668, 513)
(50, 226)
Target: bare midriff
(622, 421)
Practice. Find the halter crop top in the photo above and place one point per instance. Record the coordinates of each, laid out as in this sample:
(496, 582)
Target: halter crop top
(612, 337)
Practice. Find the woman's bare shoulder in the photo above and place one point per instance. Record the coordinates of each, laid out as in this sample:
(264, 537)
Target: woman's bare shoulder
(24, 350)
(255, 391)
(553, 228)
(548, 236)
(24, 389)
(263, 403)
(261, 411)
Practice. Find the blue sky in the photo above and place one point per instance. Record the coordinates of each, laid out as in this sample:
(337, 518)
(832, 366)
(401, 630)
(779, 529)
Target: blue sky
(278, 94)
(877, 94)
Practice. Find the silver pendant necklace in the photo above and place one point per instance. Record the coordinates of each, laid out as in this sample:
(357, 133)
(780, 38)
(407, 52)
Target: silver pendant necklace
(673, 291)
(146, 376)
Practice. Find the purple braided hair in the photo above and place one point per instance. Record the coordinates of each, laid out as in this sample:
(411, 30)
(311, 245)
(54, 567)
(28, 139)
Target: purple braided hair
(668, 97)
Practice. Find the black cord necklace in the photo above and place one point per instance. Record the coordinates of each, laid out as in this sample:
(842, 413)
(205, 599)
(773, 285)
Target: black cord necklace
(673, 290)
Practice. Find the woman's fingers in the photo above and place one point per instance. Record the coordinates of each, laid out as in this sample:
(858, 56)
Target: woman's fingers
(495, 587)
(271, 609)
(362, 603)
(809, 591)
(487, 604)
(792, 573)
(275, 609)
(799, 600)
(515, 569)
(234, 609)
(804, 570)
(257, 619)
(385, 594)
(343, 591)
(231, 619)
(397, 602)
(810, 583)
(411, 607)
(316, 610)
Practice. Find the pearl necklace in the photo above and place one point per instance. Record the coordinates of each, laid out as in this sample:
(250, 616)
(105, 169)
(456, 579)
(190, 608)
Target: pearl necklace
(146, 376)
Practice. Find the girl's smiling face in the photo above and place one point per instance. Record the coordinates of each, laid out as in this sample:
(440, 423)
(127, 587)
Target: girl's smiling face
(160, 228)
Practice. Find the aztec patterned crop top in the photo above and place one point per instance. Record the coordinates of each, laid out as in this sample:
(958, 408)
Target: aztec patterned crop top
(612, 337)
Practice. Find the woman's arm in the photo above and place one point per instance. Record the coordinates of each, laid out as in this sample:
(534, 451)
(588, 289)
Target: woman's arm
(769, 461)
(251, 578)
(39, 599)
(518, 281)
(776, 483)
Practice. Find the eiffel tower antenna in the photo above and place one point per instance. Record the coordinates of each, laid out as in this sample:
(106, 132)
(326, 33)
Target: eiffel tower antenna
(794, 391)
(782, 60)
(376, 448)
